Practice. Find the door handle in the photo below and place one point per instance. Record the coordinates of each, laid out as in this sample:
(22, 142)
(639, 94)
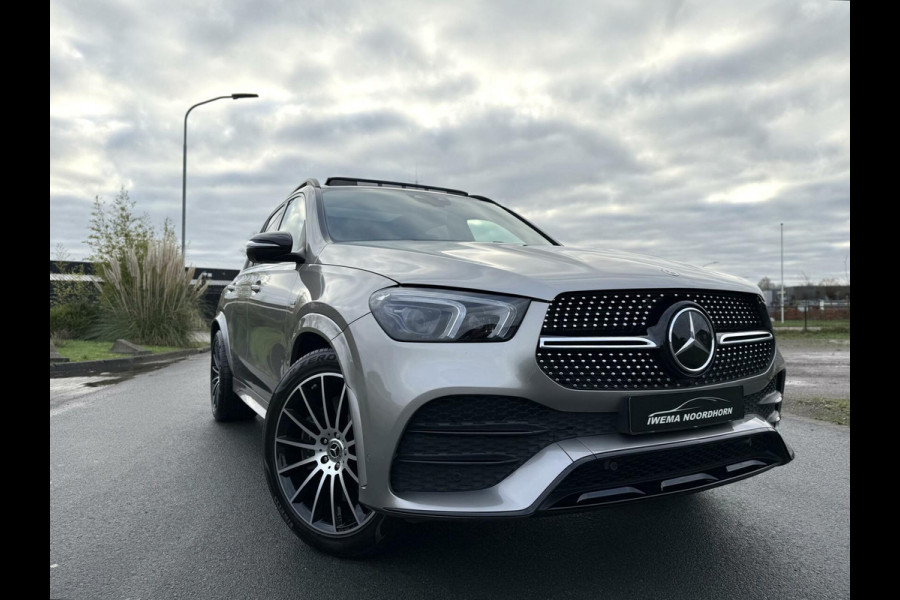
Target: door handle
(256, 286)
(230, 287)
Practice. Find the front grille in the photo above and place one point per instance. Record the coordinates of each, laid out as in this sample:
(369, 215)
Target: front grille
(605, 369)
(631, 312)
(658, 465)
(461, 443)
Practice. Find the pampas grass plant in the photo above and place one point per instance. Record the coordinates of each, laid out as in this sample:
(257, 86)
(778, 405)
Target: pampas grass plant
(147, 296)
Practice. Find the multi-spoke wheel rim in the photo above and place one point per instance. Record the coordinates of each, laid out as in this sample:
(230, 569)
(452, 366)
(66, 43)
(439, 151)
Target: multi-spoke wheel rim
(315, 456)
(214, 376)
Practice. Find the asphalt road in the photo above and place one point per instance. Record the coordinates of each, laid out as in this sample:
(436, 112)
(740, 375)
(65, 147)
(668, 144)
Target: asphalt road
(150, 498)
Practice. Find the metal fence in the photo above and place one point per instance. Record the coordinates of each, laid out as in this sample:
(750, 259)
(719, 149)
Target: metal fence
(813, 313)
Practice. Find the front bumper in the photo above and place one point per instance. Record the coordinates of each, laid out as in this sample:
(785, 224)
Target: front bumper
(582, 482)
(389, 381)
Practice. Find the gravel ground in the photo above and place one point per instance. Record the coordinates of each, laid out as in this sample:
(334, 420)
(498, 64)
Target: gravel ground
(818, 381)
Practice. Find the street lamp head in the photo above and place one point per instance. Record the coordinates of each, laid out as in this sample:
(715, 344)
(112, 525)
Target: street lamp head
(239, 96)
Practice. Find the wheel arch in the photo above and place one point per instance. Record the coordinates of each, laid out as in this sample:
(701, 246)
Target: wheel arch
(306, 342)
(313, 331)
(220, 324)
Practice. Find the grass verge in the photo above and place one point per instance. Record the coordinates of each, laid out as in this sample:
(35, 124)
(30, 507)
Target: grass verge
(833, 410)
(832, 333)
(80, 350)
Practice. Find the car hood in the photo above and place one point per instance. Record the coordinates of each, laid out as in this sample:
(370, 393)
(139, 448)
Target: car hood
(539, 272)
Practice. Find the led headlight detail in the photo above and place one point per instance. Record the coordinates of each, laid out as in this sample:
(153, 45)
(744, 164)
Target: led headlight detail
(425, 315)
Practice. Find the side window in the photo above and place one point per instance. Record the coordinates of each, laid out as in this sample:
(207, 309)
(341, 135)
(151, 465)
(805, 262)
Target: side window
(294, 221)
(274, 221)
(488, 231)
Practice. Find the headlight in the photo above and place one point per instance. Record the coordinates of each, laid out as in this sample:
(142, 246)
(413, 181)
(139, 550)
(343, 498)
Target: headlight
(422, 315)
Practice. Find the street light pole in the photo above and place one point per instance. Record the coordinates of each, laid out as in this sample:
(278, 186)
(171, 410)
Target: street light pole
(782, 273)
(184, 163)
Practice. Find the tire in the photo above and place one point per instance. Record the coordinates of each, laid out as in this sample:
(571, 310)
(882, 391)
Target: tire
(225, 404)
(310, 462)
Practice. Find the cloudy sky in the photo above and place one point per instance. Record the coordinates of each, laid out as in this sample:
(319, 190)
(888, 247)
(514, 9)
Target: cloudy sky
(683, 129)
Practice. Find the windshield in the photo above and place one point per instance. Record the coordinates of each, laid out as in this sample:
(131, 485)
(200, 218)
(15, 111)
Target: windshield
(374, 214)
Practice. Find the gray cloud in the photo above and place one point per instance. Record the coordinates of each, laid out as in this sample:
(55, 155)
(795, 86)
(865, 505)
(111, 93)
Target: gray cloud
(683, 129)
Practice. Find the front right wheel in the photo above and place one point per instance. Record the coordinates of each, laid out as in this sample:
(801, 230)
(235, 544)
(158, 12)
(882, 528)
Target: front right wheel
(311, 461)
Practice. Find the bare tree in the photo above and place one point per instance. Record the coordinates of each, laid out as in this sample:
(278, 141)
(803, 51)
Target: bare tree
(114, 228)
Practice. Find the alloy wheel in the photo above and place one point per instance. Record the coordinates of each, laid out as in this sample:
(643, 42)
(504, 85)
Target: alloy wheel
(315, 456)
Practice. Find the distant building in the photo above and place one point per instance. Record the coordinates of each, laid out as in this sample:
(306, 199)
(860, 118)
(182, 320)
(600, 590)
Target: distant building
(817, 293)
(838, 295)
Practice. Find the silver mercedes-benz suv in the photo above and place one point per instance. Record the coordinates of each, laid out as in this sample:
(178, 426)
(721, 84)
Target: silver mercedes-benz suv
(419, 352)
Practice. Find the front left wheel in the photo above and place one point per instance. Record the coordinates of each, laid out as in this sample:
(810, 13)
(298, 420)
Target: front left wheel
(311, 461)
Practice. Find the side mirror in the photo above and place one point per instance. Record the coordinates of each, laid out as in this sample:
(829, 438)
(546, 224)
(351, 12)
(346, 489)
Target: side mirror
(272, 246)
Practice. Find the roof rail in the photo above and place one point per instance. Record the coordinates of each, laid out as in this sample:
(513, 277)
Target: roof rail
(355, 181)
(311, 181)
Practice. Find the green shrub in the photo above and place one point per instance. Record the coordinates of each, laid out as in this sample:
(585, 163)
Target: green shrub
(74, 320)
(147, 297)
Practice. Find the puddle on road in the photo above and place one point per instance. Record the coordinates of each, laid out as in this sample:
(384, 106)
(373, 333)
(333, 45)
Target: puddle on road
(63, 390)
(108, 378)
(112, 378)
(109, 381)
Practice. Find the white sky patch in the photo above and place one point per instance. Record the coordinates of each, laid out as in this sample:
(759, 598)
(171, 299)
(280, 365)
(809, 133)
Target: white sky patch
(749, 193)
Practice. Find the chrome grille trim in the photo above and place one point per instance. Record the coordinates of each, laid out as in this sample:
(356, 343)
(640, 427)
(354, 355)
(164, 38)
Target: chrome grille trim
(640, 342)
(610, 342)
(743, 337)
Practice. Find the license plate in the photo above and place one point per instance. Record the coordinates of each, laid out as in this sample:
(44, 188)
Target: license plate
(684, 410)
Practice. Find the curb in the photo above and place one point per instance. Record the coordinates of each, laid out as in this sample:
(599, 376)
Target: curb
(119, 365)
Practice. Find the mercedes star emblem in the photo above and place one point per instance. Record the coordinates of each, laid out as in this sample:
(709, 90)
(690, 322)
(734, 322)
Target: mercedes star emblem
(692, 340)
